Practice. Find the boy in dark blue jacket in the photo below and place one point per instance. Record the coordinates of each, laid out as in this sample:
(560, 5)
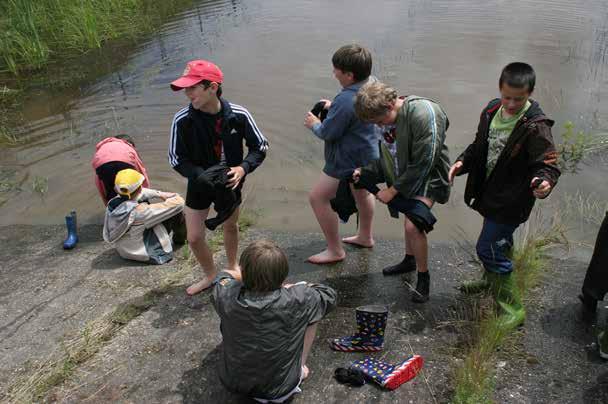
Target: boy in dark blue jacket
(349, 143)
(208, 132)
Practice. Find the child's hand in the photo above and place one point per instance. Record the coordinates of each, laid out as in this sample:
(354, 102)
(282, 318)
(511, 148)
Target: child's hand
(386, 195)
(167, 195)
(310, 120)
(235, 175)
(454, 171)
(356, 175)
(540, 190)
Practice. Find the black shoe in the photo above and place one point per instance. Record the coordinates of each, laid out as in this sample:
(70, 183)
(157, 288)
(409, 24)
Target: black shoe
(589, 306)
(352, 377)
(423, 284)
(407, 265)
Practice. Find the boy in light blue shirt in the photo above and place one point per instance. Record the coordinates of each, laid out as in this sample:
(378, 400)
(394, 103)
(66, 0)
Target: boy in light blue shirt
(349, 143)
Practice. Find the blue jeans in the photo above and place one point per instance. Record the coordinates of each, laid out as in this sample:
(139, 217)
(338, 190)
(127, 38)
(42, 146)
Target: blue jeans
(494, 246)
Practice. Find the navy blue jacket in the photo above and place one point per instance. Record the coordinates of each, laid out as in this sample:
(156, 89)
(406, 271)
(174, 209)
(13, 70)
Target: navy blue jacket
(192, 139)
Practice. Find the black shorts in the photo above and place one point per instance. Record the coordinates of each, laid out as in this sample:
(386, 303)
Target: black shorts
(202, 200)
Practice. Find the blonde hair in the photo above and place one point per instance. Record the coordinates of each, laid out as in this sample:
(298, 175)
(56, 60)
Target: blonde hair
(264, 266)
(374, 100)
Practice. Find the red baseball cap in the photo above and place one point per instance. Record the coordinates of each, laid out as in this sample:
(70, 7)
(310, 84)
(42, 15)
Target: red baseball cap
(197, 71)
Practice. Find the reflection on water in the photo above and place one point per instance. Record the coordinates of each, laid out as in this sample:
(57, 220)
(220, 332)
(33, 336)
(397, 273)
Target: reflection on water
(276, 57)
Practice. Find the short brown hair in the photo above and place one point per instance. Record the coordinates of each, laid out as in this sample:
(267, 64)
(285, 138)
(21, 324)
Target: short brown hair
(355, 59)
(374, 100)
(264, 266)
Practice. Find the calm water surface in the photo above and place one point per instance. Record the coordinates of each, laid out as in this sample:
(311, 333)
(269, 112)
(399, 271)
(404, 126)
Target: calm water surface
(276, 57)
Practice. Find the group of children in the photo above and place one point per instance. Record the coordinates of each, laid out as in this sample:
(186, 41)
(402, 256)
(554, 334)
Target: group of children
(371, 135)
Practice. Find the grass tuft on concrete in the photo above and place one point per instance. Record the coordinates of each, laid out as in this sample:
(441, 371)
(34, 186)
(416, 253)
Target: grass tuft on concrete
(474, 378)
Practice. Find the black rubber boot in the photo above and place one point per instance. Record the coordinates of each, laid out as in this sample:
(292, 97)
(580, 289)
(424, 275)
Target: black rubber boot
(407, 265)
(423, 285)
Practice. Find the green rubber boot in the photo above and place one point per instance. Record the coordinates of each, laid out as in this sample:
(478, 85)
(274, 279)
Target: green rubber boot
(474, 287)
(512, 312)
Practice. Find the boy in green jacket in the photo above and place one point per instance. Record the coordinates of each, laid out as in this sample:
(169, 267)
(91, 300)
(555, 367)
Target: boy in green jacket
(414, 162)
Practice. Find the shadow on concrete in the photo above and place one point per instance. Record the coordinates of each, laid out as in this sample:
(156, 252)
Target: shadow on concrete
(110, 260)
(598, 393)
(566, 321)
(202, 384)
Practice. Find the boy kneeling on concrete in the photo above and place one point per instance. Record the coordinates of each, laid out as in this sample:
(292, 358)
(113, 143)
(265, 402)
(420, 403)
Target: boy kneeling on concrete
(139, 229)
(267, 326)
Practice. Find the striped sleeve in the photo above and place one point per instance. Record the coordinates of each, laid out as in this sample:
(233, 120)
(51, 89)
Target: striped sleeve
(173, 137)
(252, 132)
(257, 144)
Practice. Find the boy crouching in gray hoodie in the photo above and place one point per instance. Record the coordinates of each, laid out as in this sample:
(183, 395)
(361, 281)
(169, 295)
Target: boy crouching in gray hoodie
(139, 229)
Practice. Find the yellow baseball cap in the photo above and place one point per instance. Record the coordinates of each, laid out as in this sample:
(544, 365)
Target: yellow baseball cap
(128, 181)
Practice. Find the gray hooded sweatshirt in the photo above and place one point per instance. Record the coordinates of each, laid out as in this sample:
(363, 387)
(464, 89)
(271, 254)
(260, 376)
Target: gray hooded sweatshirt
(135, 227)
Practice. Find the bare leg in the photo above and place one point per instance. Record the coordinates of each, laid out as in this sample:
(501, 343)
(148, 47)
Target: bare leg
(408, 246)
(365, 206)
(200, 248)
(231, 239)
(417, 241)
(309, 338)
(319, 198)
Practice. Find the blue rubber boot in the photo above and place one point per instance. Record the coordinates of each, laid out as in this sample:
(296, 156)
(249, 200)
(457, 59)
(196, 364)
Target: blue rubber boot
(72, 239)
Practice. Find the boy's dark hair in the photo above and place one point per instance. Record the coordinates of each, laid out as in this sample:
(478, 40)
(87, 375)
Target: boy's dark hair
(355, 59)
(207, 83)
(126, 137)
(518, 75)
(264, 266)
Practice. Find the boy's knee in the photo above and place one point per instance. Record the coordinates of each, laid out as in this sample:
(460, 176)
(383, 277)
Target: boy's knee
(195, 237)
(411, 229)
(314, 198)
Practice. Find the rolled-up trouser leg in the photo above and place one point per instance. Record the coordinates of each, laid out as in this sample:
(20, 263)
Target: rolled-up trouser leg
(494, 246)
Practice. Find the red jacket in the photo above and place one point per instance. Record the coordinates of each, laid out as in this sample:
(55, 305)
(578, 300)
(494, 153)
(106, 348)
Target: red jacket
(113, 149)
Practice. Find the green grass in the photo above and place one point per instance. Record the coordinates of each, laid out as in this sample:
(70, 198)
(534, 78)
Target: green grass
(474, 378)
(35, 32)
(578, 145)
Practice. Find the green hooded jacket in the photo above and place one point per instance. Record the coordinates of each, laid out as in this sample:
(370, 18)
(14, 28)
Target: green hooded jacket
(422, 155)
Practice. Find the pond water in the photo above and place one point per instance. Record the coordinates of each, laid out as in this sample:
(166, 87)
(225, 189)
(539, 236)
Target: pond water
(276, 57)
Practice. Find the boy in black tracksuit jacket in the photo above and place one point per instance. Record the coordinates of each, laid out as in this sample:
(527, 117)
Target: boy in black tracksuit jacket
(208, 132)
(511, 163)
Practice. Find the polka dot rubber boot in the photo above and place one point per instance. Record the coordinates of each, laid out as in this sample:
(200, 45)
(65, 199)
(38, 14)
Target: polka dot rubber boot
(371, 323)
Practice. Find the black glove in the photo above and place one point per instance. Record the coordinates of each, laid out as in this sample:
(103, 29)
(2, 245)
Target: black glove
(319, 110)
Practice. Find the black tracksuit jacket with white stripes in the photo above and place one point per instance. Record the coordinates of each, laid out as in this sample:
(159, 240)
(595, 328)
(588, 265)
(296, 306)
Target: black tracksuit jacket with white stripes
(191, 143)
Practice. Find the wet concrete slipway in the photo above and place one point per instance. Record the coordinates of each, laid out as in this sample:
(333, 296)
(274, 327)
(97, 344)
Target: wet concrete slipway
(276, 59)
(169, 353)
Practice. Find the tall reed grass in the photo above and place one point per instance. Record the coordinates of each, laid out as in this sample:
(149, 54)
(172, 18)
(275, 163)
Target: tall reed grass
(34, 32)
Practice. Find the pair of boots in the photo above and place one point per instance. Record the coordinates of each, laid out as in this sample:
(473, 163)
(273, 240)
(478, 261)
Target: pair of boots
(506, 294)
(423, 283)
(371, 324)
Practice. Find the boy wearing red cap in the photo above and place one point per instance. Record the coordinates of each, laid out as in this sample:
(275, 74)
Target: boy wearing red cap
(211, 131)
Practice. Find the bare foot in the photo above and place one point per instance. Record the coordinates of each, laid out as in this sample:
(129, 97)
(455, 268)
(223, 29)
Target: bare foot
(358, 241)
(199, 286)
(305, 372)
(326, 257)
(235, 272)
